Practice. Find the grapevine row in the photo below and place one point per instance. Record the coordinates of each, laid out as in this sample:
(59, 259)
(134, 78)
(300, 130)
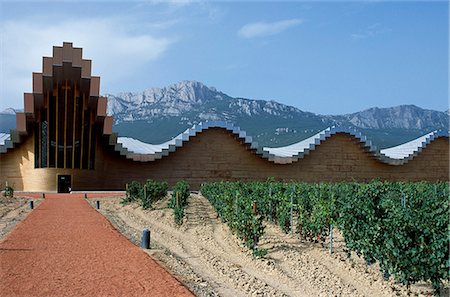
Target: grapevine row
(403, 226)
(152, 191)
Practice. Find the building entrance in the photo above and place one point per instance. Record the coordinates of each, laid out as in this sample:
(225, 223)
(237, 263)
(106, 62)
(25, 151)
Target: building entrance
(64, 183)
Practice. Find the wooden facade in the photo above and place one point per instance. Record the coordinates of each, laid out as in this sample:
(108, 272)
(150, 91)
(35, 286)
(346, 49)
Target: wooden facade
(64, 130)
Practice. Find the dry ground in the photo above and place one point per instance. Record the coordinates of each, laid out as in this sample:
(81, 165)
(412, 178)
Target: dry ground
(208, 259)
(13, 210)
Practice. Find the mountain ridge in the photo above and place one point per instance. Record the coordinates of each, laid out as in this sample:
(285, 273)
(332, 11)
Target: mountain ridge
(184, 95)
(168, 111)
(181, 105)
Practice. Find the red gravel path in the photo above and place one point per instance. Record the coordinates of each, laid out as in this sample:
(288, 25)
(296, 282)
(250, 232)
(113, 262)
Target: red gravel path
(66, 248)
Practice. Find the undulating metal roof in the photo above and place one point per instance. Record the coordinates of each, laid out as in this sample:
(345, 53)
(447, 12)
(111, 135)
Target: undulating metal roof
(3, 138)
(410, 149)
(141, 151)
(5, 142)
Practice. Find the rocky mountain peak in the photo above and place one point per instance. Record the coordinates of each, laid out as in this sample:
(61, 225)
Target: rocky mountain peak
(191, 91)
(186, 103)
(402, 116)
(158, 114)
(177, 97)
(10, 111)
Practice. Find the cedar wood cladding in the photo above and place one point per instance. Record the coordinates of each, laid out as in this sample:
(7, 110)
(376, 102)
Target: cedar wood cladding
(215, 154)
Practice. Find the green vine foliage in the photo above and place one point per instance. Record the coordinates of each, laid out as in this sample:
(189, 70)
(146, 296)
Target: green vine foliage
(181, 193)
(360, 218)
(316, 210)
(402, 226)
(153, 191)
(134, 192)
(415, 236)
(283, 209)
(178, 213)
(233, 203)
(8, 192)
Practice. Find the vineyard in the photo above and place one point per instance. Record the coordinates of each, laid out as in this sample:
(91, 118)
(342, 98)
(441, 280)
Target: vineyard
(152, 191)
(148, 193)
(178, 201)
(402, 226)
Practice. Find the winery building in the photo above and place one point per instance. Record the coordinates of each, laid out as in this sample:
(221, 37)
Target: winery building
(64, 139)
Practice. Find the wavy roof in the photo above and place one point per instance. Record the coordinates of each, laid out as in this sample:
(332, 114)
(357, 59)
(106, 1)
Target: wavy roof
(144, 152)
(5, 142)
(398, 155)
(70, 56)
(141, 151)
(3, 138)
(412, 148)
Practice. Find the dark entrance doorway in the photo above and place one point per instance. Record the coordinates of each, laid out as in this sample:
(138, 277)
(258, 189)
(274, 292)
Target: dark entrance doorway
(64, 183)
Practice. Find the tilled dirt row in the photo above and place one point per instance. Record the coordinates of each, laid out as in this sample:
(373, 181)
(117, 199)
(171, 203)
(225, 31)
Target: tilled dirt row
(210, 260)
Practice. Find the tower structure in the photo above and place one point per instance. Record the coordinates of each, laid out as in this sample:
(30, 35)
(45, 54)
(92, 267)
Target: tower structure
(65, 111)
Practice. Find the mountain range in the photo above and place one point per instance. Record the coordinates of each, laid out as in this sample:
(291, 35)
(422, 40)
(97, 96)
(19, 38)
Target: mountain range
(157, 114)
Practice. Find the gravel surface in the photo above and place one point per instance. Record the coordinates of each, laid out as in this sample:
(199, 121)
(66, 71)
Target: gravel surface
(64, 247)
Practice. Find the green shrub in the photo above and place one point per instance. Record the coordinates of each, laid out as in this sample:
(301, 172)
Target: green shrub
(178, 202)
(134, 192)
(178, 213)
(234, 204)
(316, 209)
(182, 190)
(8, 191)
(153, 191)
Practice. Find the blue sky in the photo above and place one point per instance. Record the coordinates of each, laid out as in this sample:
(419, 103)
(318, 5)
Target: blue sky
(323, 57)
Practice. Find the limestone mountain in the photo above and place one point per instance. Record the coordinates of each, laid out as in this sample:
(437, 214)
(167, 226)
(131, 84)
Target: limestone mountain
(187, 97)
(398, 117)
(168, 111)
(158, 114)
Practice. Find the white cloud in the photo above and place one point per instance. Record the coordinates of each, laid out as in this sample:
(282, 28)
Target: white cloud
(113, 45)
(264, 29)
(371, 31)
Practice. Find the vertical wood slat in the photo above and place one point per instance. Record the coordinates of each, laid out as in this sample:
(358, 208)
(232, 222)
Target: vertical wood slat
(90, 139)
(65, 126)
(57, 124)
(74, 122)
(39, 138)
(82, 132)
(48, 129)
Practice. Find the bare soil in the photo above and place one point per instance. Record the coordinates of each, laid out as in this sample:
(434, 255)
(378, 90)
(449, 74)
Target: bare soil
(64, 247)
(209, 260)
(13, 210)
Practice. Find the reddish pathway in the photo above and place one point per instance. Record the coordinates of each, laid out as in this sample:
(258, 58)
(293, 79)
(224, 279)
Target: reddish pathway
(66, 248)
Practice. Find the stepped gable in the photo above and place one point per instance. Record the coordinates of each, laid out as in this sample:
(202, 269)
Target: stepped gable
(65, 70)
